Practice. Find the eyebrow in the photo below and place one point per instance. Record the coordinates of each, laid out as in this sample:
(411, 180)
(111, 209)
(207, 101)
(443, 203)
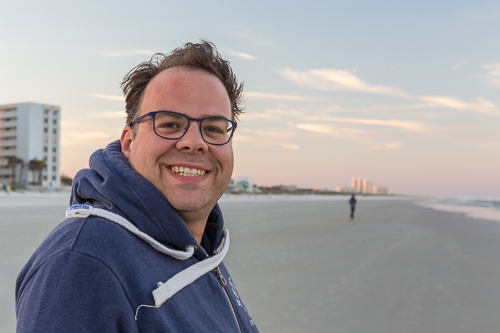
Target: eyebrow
(204, 115)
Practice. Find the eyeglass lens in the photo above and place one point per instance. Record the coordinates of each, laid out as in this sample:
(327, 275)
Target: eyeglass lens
(173, 126)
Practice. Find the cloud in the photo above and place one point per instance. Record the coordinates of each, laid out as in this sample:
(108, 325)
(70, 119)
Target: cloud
(123, 53)
(445, 101)
(242, 55)
(290, 146)
(261, 95)
(267, 138)
(481, 106)
(322, 118)
(352, 134)
(280, 115)
(108, 115)
(337, 80)
(412, 126)
(386, 146)
(316, 128)
(492, 77)
(110, 97)
(337, 132)
(392, 145)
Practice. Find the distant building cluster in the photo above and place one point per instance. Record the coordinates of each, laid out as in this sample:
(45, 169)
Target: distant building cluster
(29, 145)
(363, 186)
(242, 185)
(245, 185)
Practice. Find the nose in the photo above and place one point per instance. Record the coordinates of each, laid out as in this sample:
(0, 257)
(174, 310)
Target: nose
(192, 142)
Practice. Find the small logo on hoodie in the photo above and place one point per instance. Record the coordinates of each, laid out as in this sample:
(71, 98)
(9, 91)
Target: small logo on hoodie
(87, 207)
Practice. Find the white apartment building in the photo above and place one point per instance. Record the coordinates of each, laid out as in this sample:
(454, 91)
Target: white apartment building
(30, 131)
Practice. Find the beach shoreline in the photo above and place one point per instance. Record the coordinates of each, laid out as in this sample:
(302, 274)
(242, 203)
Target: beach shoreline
(484, 213)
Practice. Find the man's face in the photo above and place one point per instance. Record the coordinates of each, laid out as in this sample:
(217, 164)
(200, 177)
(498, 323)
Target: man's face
(197, 94)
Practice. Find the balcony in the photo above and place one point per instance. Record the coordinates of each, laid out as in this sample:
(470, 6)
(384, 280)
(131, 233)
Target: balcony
(8, 123)
(8, 114)
(7, 152)
(5, 134)
(8, 143)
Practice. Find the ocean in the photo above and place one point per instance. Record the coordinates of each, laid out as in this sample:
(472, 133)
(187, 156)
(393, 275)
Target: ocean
(473, 202)
(482, 208)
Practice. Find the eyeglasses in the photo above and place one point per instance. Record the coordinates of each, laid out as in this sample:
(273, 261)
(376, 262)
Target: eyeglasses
(172, 125)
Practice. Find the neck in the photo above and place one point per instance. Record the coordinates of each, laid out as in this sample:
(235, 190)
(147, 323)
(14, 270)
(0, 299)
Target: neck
(196, 224)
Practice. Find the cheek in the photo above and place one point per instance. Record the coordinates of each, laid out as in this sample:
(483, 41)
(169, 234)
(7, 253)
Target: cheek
(142, 159)
(227, 159)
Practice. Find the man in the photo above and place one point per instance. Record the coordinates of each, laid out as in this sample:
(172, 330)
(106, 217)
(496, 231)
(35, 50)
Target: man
(142, 248)
(352, 203)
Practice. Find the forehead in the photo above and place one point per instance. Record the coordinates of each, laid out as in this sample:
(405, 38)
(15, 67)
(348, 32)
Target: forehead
(193, 92)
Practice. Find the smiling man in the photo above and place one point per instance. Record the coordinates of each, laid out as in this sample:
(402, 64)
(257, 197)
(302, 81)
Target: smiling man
(142, 247)
(193, 167)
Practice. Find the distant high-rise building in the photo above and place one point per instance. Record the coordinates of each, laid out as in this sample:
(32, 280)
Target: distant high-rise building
(363, 186)
(29, 132)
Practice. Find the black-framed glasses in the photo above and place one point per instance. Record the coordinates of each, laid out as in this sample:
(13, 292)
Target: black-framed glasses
(173, 125)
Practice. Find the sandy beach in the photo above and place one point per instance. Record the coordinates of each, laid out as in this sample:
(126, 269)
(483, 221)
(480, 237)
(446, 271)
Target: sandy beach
(301, 265)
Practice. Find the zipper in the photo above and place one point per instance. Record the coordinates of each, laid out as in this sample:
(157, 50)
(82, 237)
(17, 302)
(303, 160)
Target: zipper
(223, 284)
(220, 277)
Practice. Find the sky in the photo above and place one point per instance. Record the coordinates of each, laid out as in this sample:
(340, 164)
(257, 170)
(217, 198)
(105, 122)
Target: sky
(403, 93)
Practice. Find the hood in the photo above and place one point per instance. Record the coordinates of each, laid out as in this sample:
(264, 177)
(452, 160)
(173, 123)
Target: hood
(113, 185)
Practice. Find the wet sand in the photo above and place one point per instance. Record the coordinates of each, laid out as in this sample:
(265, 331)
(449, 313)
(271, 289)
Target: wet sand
(301, 265)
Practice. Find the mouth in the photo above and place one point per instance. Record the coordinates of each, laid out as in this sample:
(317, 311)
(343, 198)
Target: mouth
(188, 172)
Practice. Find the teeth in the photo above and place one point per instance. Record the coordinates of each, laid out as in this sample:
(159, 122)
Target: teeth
(185, 171)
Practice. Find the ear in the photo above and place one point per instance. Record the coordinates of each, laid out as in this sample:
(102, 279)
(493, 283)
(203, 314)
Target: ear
(126, 141)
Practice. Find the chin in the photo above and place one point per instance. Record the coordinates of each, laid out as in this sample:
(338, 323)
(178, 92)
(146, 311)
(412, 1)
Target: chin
(190, 198)
(191, 204)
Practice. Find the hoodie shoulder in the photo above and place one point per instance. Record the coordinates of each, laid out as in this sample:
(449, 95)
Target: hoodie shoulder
(74, 292)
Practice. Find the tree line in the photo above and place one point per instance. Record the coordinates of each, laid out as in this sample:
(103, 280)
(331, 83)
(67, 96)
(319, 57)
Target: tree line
(35, 165)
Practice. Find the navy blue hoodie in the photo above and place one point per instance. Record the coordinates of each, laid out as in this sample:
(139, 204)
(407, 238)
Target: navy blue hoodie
(92, 275)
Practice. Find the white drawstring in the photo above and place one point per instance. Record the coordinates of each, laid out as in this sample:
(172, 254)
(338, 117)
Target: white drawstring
(178, 281)
(83, 211)
(190, 274)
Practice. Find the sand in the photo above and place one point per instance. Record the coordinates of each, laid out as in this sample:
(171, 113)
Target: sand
(301, 265)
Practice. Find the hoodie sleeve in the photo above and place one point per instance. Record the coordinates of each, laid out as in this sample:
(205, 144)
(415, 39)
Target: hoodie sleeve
(73, 292)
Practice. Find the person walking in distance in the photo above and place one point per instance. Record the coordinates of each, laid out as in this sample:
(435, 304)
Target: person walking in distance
(352, 203)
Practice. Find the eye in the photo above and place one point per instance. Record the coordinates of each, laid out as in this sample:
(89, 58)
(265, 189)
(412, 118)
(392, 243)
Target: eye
(214, 130)
(169, 125)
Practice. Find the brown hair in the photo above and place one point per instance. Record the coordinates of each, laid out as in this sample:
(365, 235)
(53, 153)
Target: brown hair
(201, 55)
